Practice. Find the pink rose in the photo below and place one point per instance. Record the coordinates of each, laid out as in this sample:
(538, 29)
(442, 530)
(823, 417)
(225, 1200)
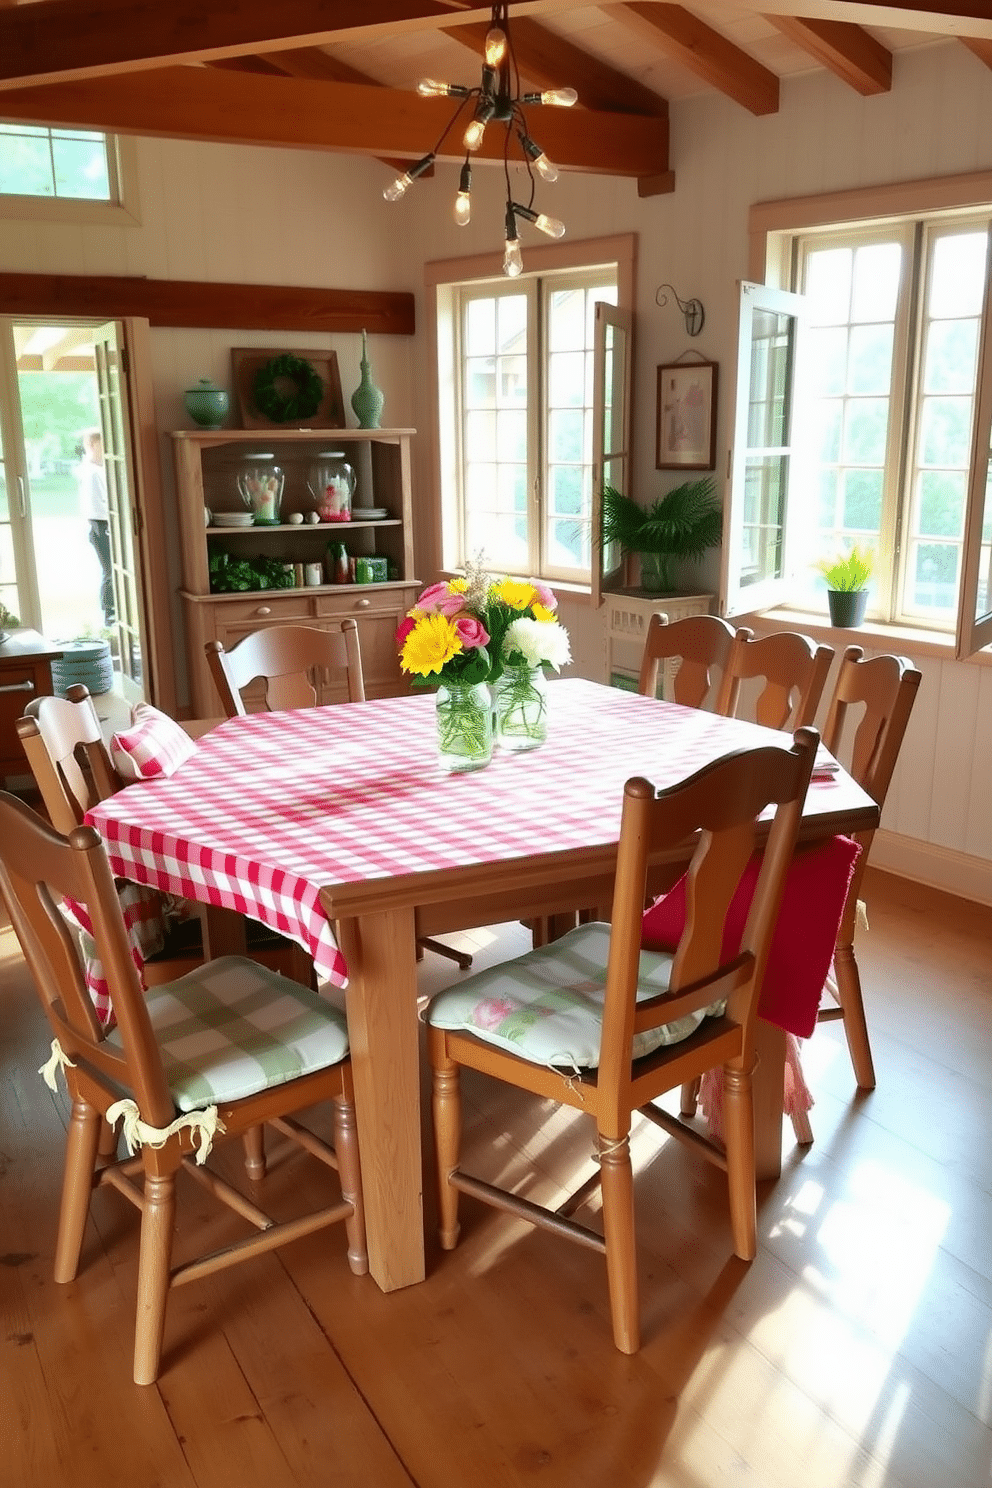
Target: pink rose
(545, 597)
(403, 630)
(492, 1011)
(471, 632)
(438, 599)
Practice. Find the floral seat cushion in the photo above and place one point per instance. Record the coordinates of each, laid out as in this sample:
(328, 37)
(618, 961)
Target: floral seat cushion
(547, 1005)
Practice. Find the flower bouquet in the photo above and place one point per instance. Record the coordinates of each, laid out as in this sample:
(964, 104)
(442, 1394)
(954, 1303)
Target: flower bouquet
(464, 634)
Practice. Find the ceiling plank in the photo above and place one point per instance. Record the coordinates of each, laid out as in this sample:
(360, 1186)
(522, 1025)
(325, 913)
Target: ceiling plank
(704, 52)
(195, 305)
(552, 62)
(981, 48)
(939, 17)
(850, 52)
(233, 108)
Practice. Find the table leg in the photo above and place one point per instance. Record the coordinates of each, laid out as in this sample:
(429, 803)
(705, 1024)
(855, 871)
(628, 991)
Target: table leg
(381, 953)
(769, 1087)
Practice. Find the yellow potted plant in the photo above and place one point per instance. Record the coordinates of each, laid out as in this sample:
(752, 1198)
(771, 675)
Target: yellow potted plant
(847, 575)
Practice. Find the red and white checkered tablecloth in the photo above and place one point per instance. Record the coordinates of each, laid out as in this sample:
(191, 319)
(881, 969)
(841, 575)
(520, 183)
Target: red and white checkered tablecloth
(274, 806)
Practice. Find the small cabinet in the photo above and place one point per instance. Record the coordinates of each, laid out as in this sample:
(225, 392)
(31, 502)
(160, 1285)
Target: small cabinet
(628, 615)
(25, 673)
(207, 466)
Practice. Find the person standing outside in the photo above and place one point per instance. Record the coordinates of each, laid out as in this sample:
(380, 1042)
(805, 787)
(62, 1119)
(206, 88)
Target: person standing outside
(93, 506)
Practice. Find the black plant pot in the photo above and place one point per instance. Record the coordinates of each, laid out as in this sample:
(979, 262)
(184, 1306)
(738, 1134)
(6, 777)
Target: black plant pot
(847, 606)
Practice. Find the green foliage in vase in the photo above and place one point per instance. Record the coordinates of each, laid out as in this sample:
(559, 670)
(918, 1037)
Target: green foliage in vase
(683, 523)
(848, 572)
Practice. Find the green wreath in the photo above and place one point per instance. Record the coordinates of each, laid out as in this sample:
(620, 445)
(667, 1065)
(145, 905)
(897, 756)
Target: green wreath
(288, 390)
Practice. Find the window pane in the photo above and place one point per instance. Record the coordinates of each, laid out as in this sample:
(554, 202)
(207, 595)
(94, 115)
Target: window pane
(566, 433)
(26, 167)
(827, 353)
(934, 578)
(480, 328)
(828, 285)
(566, 320)
(945, 431)
(951, 356)
(566, 379)
(957, 275)
(570, 543)
(876, 281)
(480, 382)
(764, 515)
(771, 366)
(81, 168)
(942, 502)
(865, 431)
(869, 367)
(862, 512)
(71, 164)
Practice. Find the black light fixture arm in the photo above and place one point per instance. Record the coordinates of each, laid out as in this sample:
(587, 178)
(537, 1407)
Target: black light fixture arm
(693, 310)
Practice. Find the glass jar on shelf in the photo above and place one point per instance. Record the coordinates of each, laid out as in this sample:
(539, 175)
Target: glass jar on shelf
(331, 483)
(260, 483)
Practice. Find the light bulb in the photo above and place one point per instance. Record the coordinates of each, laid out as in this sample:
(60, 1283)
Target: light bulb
(545, 168)
(513, 264)
(431, 88)
(560, 97)
(398, 188)
(474, 133)
(463, 201)
(549, 225)
(495, 46)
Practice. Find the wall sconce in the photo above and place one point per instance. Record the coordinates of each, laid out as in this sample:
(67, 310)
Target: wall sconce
(691, 309)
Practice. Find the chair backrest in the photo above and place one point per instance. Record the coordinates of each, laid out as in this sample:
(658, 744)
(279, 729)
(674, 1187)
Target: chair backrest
(793, 670)
(63, 741)
(701, 642)
(36, 864)
(886, 687)
(289, 659)
(722, 803)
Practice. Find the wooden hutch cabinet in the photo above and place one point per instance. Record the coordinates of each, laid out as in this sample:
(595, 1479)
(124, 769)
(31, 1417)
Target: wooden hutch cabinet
(207, 467)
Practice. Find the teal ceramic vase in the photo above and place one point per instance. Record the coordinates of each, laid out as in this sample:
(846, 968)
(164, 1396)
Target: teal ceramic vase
(207, 404)
(367, 399)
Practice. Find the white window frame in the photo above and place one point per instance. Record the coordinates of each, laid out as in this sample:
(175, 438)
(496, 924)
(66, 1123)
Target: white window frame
(121, 210)
(774, 226)
(442, 279)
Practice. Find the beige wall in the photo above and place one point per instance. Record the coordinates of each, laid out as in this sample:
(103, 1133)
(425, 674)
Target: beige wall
(296, 217)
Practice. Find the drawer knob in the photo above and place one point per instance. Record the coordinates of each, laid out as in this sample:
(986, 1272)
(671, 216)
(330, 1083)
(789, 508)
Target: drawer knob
(263, 610)
(363, 604)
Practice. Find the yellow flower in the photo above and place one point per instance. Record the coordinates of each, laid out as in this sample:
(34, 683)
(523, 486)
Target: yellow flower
(458, 586)
(540, 613)
(515, 592)
(433, 641)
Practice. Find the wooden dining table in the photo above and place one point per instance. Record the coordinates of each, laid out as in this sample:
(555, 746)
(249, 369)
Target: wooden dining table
(337, 827)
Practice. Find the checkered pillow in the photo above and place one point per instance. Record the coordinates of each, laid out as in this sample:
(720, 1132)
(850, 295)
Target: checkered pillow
(155, 745)
(232, 1028)
(547, 1005)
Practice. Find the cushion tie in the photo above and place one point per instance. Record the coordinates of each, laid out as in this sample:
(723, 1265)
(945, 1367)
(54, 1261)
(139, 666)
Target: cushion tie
(204, 1125)
(57, 1060)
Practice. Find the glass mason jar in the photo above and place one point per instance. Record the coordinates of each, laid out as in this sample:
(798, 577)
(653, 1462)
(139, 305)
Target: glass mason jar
(260, 482)
(332, 485)
(520, 704)
(464, 725)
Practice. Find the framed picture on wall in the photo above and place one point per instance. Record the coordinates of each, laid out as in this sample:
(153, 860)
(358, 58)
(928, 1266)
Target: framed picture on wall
(686, 434)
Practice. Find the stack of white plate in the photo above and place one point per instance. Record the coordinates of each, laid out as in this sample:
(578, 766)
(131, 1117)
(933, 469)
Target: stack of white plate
(233, 519)
(369, 513)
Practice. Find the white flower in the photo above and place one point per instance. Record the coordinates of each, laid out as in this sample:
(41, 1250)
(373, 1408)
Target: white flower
(537, 641)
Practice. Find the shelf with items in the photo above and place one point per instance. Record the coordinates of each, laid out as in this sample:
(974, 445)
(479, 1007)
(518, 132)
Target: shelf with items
(289, 553)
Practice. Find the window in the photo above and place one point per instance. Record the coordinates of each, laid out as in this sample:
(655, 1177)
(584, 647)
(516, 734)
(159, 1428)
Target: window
(39, 161)
(517, 417)
(865, 421)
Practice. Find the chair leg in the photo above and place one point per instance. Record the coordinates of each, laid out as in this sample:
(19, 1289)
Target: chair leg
(462, 958)
(254, 1144)
(82, 1142)
(855, 1027)
(447, 1105)
(689, 1097)
(350, 1173)
(158, 1219)
(621, 1249)
(738, 1115)
(107, 1143)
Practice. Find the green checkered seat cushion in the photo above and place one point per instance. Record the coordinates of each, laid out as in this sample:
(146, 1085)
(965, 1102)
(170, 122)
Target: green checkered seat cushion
(231, 1028)
(547, 1005)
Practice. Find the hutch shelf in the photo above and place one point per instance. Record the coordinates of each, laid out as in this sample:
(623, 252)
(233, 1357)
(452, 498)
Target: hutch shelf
(207, 465)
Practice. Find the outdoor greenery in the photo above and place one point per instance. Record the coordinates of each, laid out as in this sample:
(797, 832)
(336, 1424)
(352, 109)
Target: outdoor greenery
(55, 408)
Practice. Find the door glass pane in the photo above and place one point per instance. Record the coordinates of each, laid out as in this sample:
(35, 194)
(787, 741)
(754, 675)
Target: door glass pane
(494, 430)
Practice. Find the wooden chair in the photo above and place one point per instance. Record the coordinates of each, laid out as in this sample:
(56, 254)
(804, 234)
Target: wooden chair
(793, 670)
(486, 1022)
(885, 688)
(174, 1104)
(701, 642)
(289, 659)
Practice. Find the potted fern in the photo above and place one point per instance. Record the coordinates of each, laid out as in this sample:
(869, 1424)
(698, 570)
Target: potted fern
(682, 524)
(847, 576)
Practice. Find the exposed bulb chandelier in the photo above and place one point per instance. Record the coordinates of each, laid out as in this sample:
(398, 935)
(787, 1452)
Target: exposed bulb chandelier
(497, 100)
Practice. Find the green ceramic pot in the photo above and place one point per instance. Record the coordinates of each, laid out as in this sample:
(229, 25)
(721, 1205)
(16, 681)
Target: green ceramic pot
(207, 404)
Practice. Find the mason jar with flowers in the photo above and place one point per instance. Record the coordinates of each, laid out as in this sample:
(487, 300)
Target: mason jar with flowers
(526, 637)
(444, 640)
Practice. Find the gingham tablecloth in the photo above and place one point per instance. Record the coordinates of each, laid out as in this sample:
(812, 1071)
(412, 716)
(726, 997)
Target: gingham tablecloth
(273, 807)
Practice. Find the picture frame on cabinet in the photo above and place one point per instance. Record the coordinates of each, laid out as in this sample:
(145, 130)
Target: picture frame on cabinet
(279, 389)
(686, 416)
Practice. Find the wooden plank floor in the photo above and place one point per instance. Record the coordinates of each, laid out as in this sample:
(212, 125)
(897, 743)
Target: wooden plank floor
(855, 1350)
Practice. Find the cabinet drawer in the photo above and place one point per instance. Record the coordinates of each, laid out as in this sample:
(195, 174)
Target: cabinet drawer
(280, 608)
(18, 685)
(364, 600)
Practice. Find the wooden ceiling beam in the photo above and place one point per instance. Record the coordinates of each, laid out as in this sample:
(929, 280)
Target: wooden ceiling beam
(850, 52)
(703, 51)
(552, 62)
(232, 107)
(202, 305)
(980, 47)
(939, 17)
